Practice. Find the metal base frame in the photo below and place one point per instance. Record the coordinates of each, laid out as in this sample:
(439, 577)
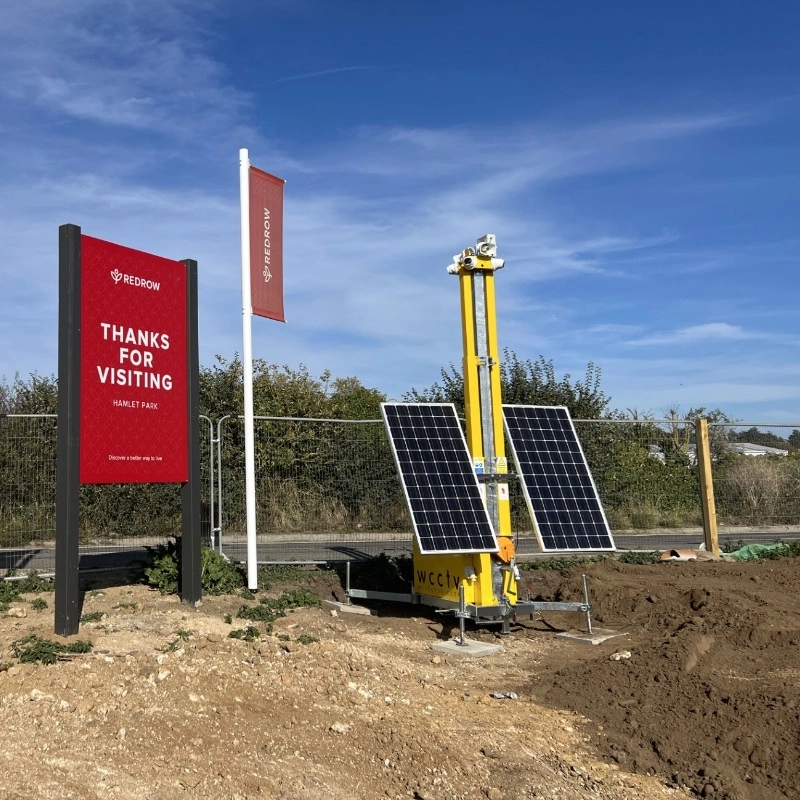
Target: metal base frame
(482, 615)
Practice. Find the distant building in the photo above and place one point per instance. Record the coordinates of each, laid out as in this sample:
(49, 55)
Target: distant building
(748, 449)
(741, 448)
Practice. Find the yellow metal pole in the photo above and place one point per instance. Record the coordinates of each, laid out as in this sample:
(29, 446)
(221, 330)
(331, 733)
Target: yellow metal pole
(501, 461)
(472, 401)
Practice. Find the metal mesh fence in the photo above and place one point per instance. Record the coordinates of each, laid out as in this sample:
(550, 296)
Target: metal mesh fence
(328, 490)
(756, 470)
(325, 490)
(117, 522)
(645, 472)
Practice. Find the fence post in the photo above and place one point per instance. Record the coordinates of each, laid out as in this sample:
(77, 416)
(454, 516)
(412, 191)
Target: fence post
(706, 487)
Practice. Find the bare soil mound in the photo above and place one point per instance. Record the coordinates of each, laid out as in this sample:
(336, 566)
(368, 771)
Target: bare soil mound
(321, 705)
(710, 695)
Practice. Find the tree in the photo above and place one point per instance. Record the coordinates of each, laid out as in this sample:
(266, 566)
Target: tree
(526, 382)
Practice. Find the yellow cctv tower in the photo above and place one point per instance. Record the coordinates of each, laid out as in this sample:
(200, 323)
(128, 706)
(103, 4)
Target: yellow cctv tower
(460, 563)
(489, 579)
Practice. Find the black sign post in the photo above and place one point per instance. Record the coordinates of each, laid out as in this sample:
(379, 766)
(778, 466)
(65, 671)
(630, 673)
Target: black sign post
(191, 587)
(67, 599)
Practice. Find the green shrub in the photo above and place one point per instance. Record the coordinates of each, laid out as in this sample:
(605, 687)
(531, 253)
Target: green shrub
(217, 574)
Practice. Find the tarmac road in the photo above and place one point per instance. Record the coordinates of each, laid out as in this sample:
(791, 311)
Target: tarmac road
(357, 548)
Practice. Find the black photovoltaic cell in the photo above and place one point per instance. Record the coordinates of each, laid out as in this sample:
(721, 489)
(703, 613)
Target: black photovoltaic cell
(438, 477)
(559, 490)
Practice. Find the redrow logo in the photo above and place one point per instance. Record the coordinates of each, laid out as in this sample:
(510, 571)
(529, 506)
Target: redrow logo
(133, 280)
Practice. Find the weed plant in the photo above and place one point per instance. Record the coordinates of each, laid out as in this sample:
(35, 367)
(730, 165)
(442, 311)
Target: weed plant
(248, 634)
(217, 574)
(269, 609)
(33, 649)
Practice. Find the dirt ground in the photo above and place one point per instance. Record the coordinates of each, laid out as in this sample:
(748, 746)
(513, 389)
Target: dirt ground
(698, 697)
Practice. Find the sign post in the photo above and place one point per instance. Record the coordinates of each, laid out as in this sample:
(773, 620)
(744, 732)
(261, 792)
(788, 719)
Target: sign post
(128, 391)
(67, 597)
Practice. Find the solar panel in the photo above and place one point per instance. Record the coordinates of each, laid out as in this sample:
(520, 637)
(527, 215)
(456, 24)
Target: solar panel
(442, 491)
(559, 490)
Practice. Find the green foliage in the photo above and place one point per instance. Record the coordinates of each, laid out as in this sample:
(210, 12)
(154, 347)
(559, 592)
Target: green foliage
(33, 582)
(792, 549)
(312, 475)
(280, 573)
(217, 574)
(555, 564)
(526, 382)
(33, 649)
(92, 616)
(269, 609)
(638, 557)
(307, 638)
(38, 604)
(248, 634)
(11, 591)
(732, 545)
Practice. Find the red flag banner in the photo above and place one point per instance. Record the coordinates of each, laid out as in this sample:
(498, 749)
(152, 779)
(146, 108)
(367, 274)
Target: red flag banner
(266, 244)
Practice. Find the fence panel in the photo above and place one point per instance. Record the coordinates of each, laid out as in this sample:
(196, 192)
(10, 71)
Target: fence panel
(645, 472)
(117, 521)
(326, 490)
(756, 471)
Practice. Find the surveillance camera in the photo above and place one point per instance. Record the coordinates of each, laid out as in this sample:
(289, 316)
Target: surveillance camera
(468, 262)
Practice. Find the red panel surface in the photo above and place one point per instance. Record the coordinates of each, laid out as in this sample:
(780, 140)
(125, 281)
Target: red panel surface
(133, 411)
(266, 245)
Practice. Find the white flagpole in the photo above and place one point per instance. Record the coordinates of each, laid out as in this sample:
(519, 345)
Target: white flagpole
(247, 367)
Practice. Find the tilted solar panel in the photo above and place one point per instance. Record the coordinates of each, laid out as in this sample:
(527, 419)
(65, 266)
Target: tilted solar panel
(442, 491)
(559, 490)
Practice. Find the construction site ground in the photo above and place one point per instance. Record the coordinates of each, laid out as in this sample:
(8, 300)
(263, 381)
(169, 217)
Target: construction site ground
(698, 696)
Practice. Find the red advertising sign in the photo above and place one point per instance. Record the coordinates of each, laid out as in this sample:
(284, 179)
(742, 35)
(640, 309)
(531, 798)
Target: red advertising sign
(133, 405)
(266, 244)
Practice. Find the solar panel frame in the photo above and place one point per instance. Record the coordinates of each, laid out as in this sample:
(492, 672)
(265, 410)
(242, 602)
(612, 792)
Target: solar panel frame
(556, 481)
(436, 470)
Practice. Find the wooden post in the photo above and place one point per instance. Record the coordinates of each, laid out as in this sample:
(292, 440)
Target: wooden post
(706, 487)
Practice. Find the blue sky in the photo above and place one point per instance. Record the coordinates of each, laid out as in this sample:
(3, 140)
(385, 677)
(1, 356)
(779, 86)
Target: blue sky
(637, 162)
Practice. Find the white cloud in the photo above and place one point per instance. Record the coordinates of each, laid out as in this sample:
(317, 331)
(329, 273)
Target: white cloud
(127, 126)
(705, 333)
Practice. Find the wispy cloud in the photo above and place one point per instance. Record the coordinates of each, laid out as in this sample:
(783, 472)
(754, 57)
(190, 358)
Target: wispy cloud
(136, 65)
(146, 124)
(323, 72)
(707, 332)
